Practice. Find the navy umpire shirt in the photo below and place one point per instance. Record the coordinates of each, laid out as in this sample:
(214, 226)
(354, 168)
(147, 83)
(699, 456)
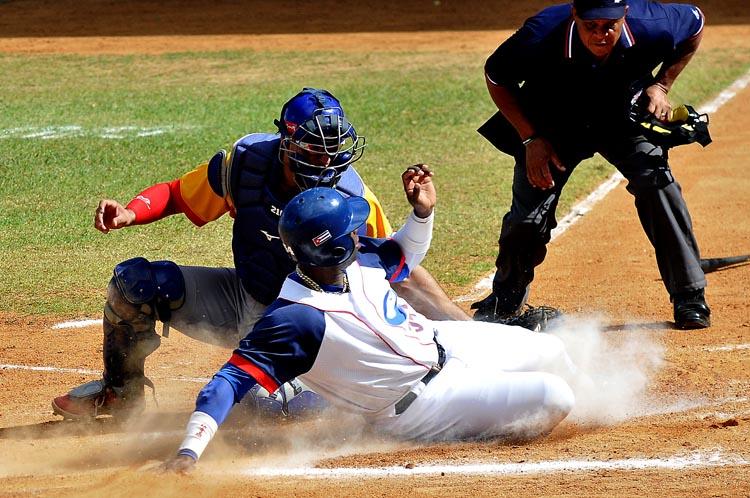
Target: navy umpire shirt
(562, 89)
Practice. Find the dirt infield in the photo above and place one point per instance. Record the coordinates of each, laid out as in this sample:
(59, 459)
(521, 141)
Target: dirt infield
(687, 434)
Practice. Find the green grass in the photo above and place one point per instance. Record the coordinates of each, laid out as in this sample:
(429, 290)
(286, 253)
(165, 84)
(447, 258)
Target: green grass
(412, 108)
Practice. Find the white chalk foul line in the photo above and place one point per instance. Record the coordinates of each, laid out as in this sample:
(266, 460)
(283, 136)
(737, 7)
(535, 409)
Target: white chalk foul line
(76, 131)
(728, 347)
(33, 368)
(726, 95)
(77, 324)
(695, 460)
(84, 371)
(583, 207)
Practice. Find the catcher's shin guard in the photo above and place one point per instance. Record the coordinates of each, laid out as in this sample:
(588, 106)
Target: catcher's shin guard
(125, 348)
(126, 345)
(139, 293)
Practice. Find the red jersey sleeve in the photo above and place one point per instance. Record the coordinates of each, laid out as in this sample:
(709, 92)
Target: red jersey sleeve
(190, 194)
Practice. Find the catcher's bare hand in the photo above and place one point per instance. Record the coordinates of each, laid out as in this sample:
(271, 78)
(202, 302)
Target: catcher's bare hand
(658, 103)
(419, 189)
(111, 215)
(539, 155)
(179, 464)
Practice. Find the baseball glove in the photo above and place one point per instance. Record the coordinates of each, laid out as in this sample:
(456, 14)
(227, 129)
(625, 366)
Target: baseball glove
(684, 125)
(293, 399)
(534, 318)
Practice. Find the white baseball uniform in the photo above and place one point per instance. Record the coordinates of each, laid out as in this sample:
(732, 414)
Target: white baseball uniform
(368, 351)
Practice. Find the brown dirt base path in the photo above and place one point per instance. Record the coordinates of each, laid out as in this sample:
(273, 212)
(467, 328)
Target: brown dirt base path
(695, 406)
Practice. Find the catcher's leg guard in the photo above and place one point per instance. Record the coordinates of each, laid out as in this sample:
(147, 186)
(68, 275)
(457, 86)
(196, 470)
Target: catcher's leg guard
(129, 337)
(138, 294)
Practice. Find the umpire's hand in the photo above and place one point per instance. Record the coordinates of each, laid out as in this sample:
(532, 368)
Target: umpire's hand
(420, 191)
(539, 155)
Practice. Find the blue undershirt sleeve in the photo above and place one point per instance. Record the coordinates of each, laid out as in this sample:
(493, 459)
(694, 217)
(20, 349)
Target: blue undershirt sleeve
(216, 399)
(229, 386)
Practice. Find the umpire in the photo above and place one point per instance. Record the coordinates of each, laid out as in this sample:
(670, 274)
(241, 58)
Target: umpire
(563, 84)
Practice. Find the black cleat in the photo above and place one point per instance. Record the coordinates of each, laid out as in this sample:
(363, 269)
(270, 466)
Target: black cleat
(498, 307)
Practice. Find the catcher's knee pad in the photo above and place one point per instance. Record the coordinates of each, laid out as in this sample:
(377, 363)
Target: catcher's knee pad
(158, 284)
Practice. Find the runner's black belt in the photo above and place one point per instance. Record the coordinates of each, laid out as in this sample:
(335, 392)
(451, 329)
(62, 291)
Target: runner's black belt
(408, 399)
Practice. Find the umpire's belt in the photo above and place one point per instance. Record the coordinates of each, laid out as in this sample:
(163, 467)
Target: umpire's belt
(408, 399)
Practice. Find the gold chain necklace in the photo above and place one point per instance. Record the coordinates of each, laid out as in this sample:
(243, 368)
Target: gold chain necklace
(316, 287)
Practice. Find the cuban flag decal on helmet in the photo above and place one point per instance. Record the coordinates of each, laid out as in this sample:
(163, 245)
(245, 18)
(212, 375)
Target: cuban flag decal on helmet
(320, 239)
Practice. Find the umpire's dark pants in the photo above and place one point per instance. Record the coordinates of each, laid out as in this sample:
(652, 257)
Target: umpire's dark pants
(658, 199)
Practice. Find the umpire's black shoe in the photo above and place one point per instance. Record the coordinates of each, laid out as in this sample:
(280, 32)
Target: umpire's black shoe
(487, 310)
(691, 311)
(498, 307)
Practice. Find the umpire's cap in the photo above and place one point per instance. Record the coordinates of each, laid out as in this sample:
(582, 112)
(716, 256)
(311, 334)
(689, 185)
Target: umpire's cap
(316, 224)
(600, 9)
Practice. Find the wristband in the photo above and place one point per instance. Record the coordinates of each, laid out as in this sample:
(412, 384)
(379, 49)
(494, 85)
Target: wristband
(662, 87)
(529, 140)
(188, 452)
(200, 430)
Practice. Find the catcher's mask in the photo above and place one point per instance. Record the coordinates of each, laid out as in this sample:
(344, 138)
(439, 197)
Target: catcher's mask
(318, 139)
(317, 225)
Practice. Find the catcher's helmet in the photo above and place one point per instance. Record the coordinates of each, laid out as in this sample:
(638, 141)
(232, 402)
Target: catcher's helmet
(317, 225)
(318, 138)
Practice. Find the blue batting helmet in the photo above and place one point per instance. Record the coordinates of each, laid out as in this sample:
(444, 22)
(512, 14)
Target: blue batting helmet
(317, 225)
(318, 138)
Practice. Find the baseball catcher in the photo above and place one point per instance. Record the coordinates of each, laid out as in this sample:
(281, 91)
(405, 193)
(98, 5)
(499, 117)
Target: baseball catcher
(315, 145)
(339, 326)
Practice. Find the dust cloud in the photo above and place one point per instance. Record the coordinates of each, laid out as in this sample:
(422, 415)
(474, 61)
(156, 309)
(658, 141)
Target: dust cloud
(616, 369)
(296, 443)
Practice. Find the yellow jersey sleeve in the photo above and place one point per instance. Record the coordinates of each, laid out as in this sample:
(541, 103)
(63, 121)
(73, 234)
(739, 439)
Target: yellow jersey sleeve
(378, 225)
(198, 200)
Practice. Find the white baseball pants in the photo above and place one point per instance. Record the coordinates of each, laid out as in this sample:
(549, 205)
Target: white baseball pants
(497, 381)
